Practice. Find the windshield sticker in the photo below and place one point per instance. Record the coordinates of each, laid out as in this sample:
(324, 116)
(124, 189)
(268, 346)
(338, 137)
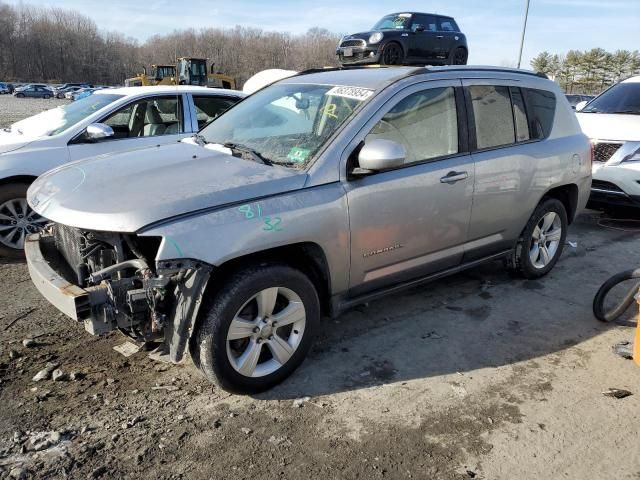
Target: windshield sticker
(298, 154)
(357, 93)
(404, 15)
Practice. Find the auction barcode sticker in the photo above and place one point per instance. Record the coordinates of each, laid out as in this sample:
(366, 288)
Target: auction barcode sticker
(357, 93)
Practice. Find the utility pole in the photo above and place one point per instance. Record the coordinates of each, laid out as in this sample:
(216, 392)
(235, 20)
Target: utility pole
(524, 29)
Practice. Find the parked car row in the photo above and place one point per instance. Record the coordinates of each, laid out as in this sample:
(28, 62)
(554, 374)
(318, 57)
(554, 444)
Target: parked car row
(321, 191)
(6, 88)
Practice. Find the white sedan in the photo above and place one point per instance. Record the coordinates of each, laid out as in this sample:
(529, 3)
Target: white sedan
(109, 121)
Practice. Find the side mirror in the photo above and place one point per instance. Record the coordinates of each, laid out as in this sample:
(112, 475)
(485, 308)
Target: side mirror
(98, 131)
(380, 154)
(581, 105)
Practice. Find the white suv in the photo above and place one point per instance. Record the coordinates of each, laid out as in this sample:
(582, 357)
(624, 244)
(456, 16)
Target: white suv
(612, 122)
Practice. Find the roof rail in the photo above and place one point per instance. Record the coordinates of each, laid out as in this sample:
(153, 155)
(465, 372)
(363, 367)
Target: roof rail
(428, 69)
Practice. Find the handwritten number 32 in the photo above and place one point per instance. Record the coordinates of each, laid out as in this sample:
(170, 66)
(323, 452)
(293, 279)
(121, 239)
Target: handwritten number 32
(272, 224)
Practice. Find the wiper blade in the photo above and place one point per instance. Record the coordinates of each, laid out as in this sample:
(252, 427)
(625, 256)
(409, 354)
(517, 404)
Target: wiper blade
(200, 140)
(242, 149)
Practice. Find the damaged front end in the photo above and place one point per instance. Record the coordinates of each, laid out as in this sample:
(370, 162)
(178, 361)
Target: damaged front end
(111, 281)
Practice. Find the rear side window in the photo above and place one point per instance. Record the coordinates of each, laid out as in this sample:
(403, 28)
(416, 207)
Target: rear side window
(447, 25)
(425, 123)
(493, 116)
(519, 115)
(541, 108)
(208, 107)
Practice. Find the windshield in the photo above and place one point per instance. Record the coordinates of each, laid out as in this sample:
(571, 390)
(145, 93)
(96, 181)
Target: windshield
(394, 22)
(57, 120)
(289, 123)
(621, 98)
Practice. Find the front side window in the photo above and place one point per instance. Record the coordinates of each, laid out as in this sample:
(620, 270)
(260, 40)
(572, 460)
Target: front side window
(59, 119)
(493, 116)
(209, 107)
(147, 118)
(425, 123)
(621, 98)
(425, 23)
(288, 123)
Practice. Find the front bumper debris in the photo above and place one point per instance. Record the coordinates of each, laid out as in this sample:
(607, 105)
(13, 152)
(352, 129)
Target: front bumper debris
(73, 301)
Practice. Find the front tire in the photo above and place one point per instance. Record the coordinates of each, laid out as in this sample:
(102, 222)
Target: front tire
(542, 240)
(17, 220)
(20, 95)
(257, 329)
(392, 54)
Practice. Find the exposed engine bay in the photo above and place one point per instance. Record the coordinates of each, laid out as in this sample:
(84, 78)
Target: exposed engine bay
(125, 288)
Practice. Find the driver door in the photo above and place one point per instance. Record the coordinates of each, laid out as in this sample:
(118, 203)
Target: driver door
(422, 44)
(157, 120)
(413, 221)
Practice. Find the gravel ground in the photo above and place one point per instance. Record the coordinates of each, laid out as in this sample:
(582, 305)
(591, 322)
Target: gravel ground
(481, 375)
(13, 109)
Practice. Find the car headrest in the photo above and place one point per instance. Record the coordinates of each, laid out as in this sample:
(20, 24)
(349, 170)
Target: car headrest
(153, 115)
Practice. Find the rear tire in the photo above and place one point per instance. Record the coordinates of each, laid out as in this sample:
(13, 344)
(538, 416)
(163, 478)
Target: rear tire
(459, 56)
(542, 240)
(46, 97)
(20, 95)
(259, 328)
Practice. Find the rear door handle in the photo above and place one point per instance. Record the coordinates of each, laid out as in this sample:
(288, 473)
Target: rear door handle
(440, 36)
(453, 177)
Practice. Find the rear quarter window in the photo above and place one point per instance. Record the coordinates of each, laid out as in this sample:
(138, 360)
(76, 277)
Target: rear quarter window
(541, 109)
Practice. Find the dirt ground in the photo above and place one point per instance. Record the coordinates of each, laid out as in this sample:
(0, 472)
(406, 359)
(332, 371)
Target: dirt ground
(482, 375)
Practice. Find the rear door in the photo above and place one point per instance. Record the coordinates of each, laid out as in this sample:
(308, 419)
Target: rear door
(143, 122)
(512, 168)
(413, 220)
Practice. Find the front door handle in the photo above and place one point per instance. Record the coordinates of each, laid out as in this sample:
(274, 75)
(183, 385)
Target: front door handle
(440, 36)
(453, 177)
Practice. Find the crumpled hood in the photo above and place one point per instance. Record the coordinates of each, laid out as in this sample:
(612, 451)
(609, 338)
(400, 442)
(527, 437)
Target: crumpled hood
(605, 126)
(12, 141)
(125, 192)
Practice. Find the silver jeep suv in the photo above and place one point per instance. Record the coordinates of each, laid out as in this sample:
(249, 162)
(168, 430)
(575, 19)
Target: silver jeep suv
(315, 194)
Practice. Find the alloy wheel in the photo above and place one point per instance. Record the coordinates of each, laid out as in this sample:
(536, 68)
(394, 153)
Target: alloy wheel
(545, 240)
(17, 220)
(266, 331)
(392, 54)
(459, 57)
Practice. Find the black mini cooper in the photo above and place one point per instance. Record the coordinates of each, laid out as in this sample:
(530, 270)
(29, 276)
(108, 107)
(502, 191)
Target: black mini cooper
(407, 38)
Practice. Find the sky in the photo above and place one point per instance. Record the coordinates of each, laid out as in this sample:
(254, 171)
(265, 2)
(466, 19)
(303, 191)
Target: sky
(493, 27)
